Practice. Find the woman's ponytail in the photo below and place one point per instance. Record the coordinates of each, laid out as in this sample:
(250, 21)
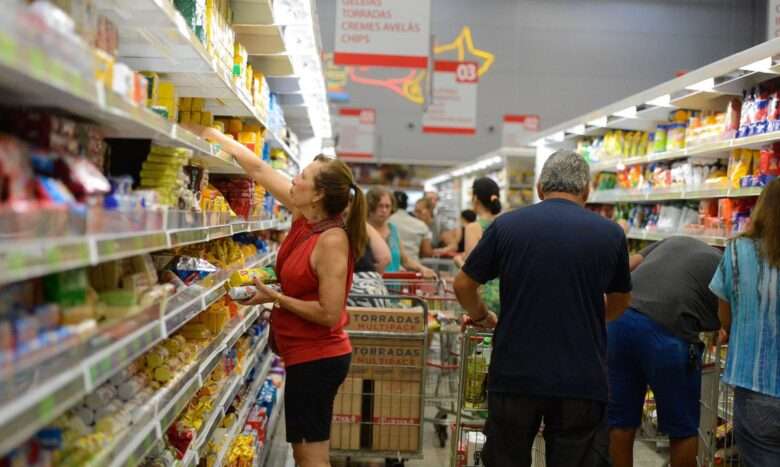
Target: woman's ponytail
(495, 205)
(356, 222)
(486, 190)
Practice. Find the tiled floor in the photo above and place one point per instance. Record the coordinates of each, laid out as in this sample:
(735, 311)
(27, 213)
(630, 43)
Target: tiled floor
(645, 454)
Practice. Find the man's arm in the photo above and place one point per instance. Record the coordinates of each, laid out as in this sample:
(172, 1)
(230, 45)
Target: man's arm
(615, 304)
(634, 261)
(467, 293)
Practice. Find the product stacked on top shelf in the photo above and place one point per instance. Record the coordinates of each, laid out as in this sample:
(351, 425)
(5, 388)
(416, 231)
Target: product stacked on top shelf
(702, 169)
(121, 231)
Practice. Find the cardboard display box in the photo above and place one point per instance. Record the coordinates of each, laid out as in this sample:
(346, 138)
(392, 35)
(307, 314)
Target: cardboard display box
(405, 320)
(388, 359)
(396, 416)
(347, 410)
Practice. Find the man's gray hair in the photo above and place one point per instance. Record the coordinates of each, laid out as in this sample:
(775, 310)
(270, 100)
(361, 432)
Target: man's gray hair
(565, 172)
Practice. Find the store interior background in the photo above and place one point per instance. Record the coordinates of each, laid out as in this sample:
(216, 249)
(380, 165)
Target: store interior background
(554, 58)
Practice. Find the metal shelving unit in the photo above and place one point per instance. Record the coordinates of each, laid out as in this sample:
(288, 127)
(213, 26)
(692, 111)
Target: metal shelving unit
(52, 384)
(166, 405)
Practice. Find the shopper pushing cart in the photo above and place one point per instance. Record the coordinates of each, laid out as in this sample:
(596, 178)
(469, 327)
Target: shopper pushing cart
(556, 262)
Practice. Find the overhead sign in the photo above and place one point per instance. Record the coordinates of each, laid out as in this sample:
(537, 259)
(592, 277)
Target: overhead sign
(518, 129)
(391, 33)
(454, 107)
(356, 133)
(773, 19)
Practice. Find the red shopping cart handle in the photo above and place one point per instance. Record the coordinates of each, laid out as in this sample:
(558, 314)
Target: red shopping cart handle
(402, 275)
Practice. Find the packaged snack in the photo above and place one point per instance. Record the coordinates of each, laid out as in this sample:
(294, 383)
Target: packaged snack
(248, 276)
(242, 292)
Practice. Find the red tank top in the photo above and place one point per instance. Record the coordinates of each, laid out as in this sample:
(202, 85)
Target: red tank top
(297, 340)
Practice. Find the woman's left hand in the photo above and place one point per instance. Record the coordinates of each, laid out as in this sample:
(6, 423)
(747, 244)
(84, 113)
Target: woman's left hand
(264, 294)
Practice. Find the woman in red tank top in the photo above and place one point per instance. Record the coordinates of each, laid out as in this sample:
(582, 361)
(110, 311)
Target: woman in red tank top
(314, 265)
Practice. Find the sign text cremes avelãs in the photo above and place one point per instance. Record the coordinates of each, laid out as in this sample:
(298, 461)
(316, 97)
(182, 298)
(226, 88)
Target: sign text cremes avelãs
(391, 33)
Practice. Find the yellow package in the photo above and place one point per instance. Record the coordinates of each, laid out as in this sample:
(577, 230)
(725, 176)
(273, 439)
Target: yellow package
(198, 104)
(166, 90)
(104, 68)
(247, 276)
(235, 127)
(185, 116)
(206, 118)
(195, 116)
(185, 104)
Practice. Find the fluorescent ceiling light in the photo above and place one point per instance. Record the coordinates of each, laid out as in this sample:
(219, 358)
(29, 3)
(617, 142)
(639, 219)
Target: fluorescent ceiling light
(764, 65)
(661, 101)
(600, 122)
(628, 112)
(703, 86)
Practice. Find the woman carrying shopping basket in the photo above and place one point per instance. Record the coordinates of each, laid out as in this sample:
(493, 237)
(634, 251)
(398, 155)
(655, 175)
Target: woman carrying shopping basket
(314, 265)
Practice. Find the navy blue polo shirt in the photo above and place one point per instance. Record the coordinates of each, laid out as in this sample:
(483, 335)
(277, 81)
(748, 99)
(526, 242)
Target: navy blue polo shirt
(556, 260)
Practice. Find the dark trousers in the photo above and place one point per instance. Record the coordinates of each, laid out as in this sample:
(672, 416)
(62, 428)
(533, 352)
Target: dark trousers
(571, 428)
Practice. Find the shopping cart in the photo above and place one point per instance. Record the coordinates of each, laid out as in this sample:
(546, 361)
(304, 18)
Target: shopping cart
(716, 428)
(444, 345)
(444, 266)
(472, 410)
(379, 409)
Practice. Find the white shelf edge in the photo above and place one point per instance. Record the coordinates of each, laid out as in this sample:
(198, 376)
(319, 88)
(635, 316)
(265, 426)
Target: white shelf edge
(92, 240)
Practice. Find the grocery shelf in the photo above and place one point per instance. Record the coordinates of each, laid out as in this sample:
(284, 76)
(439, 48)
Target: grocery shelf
(166, 405)
(243, 411)
(270, 432)
(655, 236)
(34, 84)
(54, 382)
(673, 194)
(155, 37)
(706, 88)
(713, 149)
(225, 399)
(25, 259)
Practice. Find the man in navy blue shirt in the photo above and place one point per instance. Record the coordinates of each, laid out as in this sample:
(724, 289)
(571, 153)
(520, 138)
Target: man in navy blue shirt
(564, 273)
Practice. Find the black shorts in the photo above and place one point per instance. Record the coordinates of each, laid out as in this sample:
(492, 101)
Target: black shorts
(309, 395)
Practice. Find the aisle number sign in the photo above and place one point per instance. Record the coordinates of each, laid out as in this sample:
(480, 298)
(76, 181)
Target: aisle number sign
(356, 133)
(518, 129)
(390, 33)
(454, 106)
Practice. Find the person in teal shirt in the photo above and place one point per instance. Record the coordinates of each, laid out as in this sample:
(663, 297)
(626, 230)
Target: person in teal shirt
(487, 204)
(747, 283)
(380, 207)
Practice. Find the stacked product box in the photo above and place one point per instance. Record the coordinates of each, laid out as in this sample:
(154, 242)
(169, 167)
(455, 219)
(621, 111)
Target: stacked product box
(244, 195)
(379, 406)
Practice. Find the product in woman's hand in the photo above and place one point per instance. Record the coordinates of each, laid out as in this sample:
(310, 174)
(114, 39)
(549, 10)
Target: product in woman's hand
(248, 276)
(242, 292)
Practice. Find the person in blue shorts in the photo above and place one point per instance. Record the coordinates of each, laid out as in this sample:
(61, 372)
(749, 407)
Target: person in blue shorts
(656, 343)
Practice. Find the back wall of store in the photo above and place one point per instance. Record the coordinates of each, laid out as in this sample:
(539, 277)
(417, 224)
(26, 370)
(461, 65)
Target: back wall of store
(554, 58)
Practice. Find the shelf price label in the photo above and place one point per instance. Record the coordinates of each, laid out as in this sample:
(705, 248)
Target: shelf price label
(110, 248)
(220, 232)
(185, 237)
(454, 107)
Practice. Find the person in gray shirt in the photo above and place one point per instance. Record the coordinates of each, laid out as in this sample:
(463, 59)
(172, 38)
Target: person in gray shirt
(656, 343)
